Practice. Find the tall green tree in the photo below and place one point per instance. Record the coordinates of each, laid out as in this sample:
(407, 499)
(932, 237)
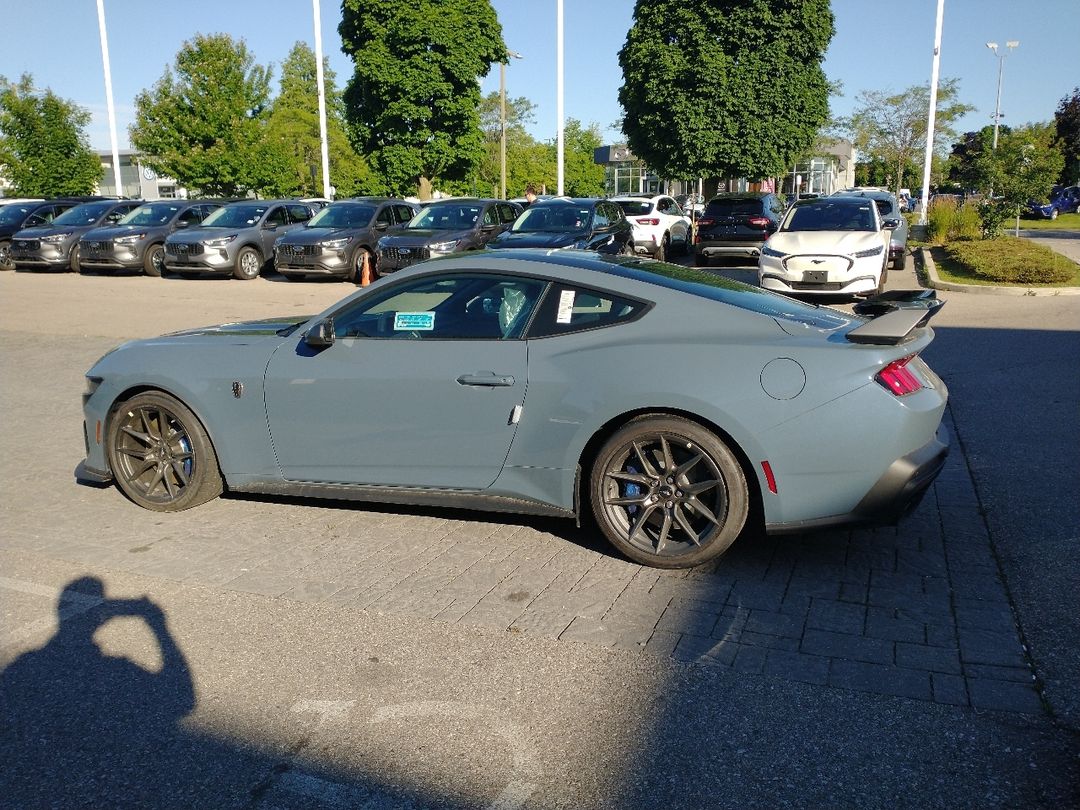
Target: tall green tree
(1067, 129)
(412, 103)
(582, 176)
(1025, 166)
(520, 145)
(43, 146)
(891, 127)
(204, 122)
(293, 127)
(727, 87)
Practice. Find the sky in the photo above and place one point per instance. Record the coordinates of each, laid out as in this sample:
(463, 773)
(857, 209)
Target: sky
(878, 45)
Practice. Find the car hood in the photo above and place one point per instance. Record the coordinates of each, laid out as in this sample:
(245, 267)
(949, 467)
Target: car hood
(113, 231)
(267, 327)
(49, 230)
(311, 236)
(419, 237)
(537, 239)
(192, 235)
(827, 242)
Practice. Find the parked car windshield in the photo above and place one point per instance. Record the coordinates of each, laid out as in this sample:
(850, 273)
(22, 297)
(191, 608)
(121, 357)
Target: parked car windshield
(151, 214)
(11, 214)
(447, 217)
(342, 215)
(831, 215)
(235, 216)
(85, 214)
(565, 218)
(634, 207)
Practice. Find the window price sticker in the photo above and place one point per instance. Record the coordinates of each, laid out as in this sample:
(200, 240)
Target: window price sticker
(566, 306)
(414, 321)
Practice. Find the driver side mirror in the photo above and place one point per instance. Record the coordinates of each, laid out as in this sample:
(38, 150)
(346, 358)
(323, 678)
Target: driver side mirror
(488, 228)
(321, 334)
(891, 224)
(381, 226)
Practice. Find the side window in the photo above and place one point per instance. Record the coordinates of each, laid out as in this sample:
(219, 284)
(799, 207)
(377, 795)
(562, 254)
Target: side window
(116, 214)
(192, 216)
(42, 217)
(601, 219)
(491, 215)
(276, 217)
(507, 213)
(299, 213)
(386, 216)
(460, 307)
(403, 213)
(567, 309)
(664, 205)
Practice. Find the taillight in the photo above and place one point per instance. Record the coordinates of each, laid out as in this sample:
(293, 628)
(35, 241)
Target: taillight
(759, 222)
(703, 222)
(898, 379)
(649, 221)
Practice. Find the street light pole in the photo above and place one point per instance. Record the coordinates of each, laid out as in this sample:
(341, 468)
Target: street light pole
(323, 145)
(1009, 45)
(560, 148)
(109, 97)
(502, 123)
(931, 115)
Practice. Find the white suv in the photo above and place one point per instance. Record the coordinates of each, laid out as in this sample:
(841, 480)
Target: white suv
(660, 226)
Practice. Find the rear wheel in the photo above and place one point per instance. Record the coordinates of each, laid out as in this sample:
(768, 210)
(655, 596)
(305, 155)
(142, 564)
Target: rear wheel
(154, 260)
(662, 249)
(161, 455)
(668, 493)
(248, 264)
(1053, 213)
(701, 260)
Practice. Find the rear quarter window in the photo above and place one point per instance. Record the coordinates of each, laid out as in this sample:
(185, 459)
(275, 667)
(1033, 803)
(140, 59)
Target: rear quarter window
(567, 309)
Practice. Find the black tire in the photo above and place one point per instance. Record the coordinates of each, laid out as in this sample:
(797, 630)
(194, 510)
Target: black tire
(248, 264)
(73, 260)
(357, 266)
(662, 249)
(154, 260)
(701, 260)
(160, 454)
(685, 249)
(627, 248)
(6, 262)
(1053, 213)
(668, 493)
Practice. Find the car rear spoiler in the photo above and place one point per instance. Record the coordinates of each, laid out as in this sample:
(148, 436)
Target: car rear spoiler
(894, 315)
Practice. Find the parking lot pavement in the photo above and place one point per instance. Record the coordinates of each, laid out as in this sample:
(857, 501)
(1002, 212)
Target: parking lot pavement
(919, 612)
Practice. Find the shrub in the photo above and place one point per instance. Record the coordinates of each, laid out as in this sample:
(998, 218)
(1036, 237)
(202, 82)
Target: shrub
(966, 223)
(1010, 260)
(939, 218)
(992, 216)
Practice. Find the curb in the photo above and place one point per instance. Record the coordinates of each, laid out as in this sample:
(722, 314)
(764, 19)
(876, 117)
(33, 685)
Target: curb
(978, 289)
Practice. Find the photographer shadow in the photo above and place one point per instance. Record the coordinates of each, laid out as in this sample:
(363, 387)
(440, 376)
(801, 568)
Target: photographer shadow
(80, 728)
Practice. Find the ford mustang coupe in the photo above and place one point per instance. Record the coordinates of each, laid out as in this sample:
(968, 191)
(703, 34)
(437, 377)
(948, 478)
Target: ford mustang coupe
(678, 407)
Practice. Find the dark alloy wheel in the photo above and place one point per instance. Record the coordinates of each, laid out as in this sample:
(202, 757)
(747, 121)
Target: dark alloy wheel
(154, 261)
(161, 455)
(662, 249)
(73, 262)
(6, 262)
(248, 264)
(356, 271)
(668, 493)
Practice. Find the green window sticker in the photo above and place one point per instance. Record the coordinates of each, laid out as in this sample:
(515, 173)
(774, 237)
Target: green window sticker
(414, 321)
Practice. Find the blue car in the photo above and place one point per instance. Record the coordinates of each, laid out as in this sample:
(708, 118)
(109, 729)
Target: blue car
(678, 406)
(1062, 201)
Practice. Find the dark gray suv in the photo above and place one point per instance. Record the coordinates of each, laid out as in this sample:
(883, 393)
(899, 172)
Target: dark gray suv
(137, 242)
(237, 238)
(56, 245)
(340, 238)
(445, 226)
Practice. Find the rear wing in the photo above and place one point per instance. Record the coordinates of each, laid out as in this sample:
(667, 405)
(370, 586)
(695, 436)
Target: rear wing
(894, 315)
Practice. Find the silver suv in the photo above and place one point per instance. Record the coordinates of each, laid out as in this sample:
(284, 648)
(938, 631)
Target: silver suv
(137, 242)
(237, 238)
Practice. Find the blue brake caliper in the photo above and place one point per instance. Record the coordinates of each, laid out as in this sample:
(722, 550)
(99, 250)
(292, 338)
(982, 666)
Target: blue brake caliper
(631, 490)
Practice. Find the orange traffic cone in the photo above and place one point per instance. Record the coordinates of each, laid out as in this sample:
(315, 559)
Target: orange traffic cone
(365, 270)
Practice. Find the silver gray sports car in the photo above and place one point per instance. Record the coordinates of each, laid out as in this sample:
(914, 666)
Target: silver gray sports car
(677, 406)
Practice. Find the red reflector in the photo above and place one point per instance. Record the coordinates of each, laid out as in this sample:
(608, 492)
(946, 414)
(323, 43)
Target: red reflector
(649, 221)
(770, 479)
(759, 222)
(702, 221)
(898, 379)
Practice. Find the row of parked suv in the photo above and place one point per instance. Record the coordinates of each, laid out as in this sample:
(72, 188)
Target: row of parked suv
(240, 238)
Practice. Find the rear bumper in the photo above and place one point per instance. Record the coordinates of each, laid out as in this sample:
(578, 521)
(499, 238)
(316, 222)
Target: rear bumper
(725, 248)
(897, 492)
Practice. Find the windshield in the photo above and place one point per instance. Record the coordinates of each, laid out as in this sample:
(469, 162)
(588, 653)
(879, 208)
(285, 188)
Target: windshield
(85, 214)
(152, 214)
(562, 218)
(634, 207)
(12, 214)
(447, 217)
(831, 215)
(342, 216)
(235, 216)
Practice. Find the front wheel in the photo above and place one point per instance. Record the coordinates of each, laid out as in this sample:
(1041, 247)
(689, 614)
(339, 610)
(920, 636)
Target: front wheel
(6, 262)
(160, 454)
(73, 262)
(1053, 213)
(668, 493)
(248, 264)
(154, 260)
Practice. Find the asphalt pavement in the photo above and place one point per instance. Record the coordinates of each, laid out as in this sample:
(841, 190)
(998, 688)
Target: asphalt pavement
(262, 652)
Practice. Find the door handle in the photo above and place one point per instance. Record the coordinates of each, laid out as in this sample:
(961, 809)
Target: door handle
(487, 379)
